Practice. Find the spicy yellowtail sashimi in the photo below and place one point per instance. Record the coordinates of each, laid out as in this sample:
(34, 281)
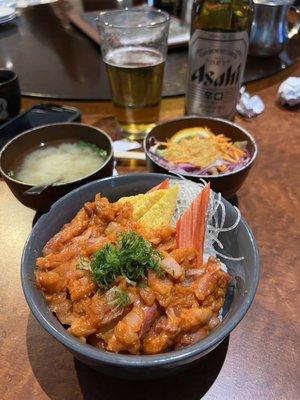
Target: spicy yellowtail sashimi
(129, 277)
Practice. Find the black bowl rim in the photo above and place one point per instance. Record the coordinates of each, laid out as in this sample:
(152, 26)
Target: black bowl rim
(88, 351)
(13, 77)
(191, 117)
(58, 124)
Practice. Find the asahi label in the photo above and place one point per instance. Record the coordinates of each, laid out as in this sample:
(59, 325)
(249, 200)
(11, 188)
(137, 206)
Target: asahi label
(216, 67)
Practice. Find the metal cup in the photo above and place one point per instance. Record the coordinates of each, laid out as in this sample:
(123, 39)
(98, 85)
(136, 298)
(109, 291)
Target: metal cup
(269, 31)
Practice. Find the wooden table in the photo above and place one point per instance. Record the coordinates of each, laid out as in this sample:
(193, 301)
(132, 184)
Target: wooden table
(260, 360)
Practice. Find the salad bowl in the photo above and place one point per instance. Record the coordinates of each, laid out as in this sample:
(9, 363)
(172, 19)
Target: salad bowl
(227, 183)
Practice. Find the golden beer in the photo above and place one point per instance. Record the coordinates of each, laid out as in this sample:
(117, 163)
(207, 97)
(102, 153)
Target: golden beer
(135, 77)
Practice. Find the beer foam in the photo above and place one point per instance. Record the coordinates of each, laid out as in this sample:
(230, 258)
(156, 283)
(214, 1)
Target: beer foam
(132, 57)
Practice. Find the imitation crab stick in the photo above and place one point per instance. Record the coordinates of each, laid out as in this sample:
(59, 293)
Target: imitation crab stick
(163, 185)
(190, 228)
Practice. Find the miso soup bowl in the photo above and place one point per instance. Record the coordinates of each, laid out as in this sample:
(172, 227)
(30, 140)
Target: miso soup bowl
(228, 183)
(240, 294)
(21, 145)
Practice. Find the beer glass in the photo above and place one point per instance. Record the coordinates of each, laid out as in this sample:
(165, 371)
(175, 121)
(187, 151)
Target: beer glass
(134, 48)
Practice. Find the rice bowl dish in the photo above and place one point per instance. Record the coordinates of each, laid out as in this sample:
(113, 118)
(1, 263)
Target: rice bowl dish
(238, 299)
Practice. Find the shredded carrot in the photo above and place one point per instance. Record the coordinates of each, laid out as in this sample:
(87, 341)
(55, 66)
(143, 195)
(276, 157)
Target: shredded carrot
(222, 168)
(239, 151)
(228, 158)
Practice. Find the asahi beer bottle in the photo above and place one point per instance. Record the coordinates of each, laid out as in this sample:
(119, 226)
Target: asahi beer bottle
(217, 56)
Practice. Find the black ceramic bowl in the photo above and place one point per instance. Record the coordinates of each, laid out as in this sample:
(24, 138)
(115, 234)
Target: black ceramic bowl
(227, 184)
(238, 300)
(15, 149)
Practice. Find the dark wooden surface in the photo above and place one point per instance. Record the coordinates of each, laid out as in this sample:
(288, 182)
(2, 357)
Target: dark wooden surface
(259, 361)
(50, 57)
(55, 60)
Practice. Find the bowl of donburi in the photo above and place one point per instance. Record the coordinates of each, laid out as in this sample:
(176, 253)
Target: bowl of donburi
(140, 275)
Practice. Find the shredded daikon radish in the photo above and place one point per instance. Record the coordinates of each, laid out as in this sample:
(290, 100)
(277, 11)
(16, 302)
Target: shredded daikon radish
(188, 191)
(228, 257)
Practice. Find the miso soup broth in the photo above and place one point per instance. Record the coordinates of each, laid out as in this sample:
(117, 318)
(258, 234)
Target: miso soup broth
(59, 162)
